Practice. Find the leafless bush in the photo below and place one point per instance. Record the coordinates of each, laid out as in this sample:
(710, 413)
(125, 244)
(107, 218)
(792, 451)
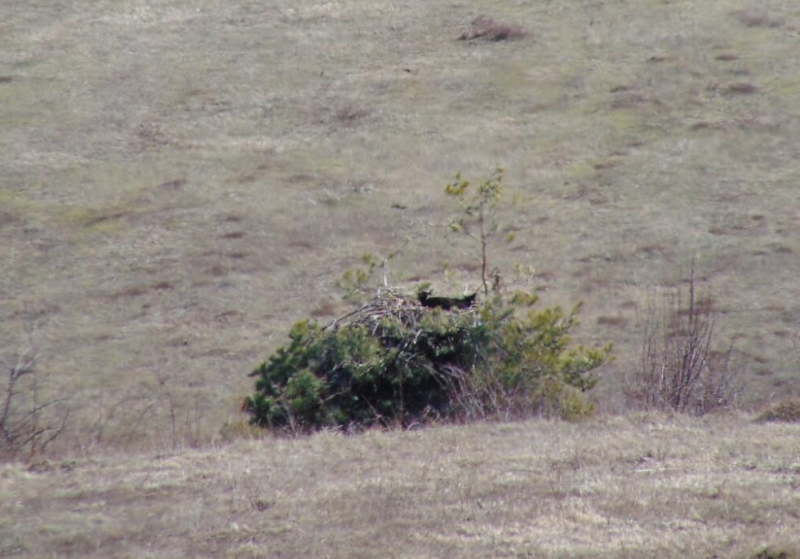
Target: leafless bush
(478, 398)
(679, 371)
(30, 419)
(487, 29)
(153, 413)
(484, 396)
(121, 423)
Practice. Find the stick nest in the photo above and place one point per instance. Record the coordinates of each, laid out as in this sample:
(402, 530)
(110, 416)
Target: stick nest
(390, 303)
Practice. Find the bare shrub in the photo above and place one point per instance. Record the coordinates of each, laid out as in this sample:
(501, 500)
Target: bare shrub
(679, 371)
(485, 395)
(126, 422)
(478, 397)
(30, 419)
(487, 29)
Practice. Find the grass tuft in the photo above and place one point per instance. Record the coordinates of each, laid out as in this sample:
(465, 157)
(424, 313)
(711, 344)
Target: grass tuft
(776, 553)
(615, 321)
(784, 412)
(740, 88)
(486, 28)
(754, 18)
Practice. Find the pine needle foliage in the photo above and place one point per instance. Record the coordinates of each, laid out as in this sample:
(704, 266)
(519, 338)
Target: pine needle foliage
(478, 219)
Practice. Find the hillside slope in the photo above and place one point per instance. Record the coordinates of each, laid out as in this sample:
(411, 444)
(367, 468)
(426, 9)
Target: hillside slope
(646, 486)
(180, 180)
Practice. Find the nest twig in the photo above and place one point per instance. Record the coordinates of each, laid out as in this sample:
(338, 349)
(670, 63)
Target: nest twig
(387, 303)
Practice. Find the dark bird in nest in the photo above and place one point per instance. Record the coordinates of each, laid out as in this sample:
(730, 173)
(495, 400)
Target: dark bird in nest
(446, 303)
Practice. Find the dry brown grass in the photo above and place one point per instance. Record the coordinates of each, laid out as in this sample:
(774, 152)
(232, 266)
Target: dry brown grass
(786, 412)
(646, 486)
(179, 181)
(756, 18)
(486, 28)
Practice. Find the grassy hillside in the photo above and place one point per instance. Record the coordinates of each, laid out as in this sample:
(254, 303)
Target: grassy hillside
(180, 180)
(644, 486)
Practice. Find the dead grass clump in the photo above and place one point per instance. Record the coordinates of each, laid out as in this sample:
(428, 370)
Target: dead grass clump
(604, 165)
(705, 125)
(751, 18)
(615, 321)
(150, 136)
(620, 88)
(234, 235)
(129, 292)
(773, 553)
(103, 218)
(349, 113)
(172, 185)
(218, 270)
(241, 430)
(470, 266)
(740, 88)
(584, 191)
(784, 412)
(327, 308)
(7, 218)
(626, 99)
(487, 29)
(653, 251)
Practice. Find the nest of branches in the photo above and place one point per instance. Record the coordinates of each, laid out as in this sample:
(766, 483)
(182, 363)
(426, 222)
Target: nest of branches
(390, 303)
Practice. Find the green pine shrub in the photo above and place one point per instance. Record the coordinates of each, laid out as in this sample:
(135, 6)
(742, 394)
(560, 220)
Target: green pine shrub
(396, 362)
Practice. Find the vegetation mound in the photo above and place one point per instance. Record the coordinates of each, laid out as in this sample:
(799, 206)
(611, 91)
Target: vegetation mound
(395, 361)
